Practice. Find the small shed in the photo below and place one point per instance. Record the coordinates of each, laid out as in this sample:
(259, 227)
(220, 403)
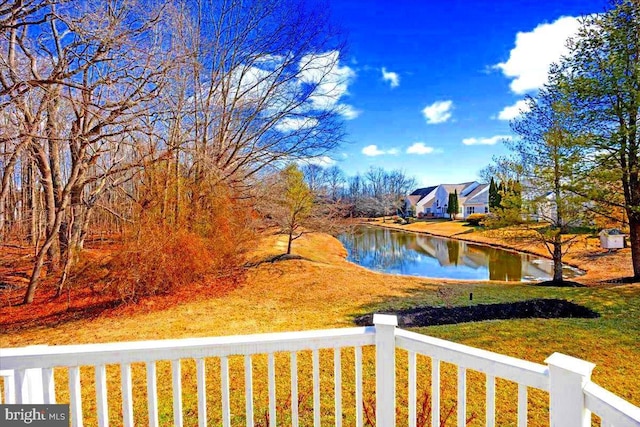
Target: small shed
(611, 239)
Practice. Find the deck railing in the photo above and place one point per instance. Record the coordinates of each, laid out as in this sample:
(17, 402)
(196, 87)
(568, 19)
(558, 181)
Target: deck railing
(28, 377)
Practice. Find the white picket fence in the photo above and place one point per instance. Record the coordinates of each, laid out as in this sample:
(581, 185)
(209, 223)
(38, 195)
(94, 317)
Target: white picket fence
(28, 377)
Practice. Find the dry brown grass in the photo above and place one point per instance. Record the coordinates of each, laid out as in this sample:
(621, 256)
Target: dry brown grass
(322, 290)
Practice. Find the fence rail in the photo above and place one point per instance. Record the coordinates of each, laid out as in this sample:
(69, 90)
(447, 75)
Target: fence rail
(612, 410)
(28, 377)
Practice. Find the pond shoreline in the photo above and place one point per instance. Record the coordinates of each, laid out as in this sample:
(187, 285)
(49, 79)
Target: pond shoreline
(502, 246)
(597, 266)
(394, 250)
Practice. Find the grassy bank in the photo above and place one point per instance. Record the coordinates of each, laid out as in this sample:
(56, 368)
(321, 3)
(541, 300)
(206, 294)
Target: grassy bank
(322, 290)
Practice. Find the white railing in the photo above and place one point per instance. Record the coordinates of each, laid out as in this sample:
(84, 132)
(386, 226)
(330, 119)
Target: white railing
(8, 384)
(28, 375)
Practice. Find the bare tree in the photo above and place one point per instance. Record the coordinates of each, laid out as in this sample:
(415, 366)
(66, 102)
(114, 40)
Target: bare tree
(267, 87)
(113, 110)
(386, 189)
(92, 72)
(289, 204)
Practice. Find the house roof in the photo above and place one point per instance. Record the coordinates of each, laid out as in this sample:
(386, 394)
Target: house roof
(423, 191)
(414, 199)
(419, 194)
(459, 188)
(479, 194)
(427, 201)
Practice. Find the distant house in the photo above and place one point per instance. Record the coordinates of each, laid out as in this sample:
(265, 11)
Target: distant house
(442, 197)
(545, 209)
(476, 202)
(432, 202)
(411, 202)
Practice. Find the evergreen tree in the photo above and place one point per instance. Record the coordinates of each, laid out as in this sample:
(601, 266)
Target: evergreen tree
(494, 196)
(452, 207)
(602, 89)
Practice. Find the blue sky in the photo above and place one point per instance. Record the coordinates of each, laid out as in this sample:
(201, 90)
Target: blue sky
(426, 75)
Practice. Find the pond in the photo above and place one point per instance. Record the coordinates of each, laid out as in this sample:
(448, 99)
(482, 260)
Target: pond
(397, 252)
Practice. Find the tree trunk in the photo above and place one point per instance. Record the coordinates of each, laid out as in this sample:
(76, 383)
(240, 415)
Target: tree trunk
(29, 197)
(40, 257)
(7, 180)
(634, 241)
(51, 204)
(88, 213)
(77, 221)
(557, 258)
(289, 242)
(176, 178)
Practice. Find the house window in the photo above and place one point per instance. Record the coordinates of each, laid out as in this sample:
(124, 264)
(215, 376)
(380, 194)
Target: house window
(427, 210)
(471, 210)
(486, 209)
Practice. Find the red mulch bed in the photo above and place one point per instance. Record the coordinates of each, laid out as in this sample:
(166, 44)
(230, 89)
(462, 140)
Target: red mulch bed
(84, 296)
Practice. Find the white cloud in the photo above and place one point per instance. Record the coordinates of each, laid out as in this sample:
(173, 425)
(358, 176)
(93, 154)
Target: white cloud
(323, 161)
(419, 148)
(438, 112)
(330, 79)
(373, 150)
(486, 141)
(391, 77)
(535, 51)
(512, 111)
(289, 124)
(348, 112)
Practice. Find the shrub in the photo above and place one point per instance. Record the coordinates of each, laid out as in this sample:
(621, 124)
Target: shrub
(157, 262)
(476, 219)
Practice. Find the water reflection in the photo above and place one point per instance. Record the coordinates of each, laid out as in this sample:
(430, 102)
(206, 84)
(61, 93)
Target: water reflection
(397, 252)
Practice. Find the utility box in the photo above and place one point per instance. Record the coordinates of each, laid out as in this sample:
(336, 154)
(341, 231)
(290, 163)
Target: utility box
(611, 239)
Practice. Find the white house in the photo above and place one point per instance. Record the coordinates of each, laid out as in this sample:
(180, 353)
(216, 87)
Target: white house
(432, 202)
(413, 200)
(424, 207)
(441, 201)
(476, 202)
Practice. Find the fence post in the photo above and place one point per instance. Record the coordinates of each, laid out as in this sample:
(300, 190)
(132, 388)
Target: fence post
(28, 386)
(567, 378)
(29, 383)
(385, 369)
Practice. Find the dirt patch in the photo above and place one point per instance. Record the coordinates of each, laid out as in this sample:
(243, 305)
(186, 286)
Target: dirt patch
(561, 284)
(536, 308)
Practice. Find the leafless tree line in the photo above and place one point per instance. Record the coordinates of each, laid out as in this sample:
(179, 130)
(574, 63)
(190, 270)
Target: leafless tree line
(123, 112)
(377, 192)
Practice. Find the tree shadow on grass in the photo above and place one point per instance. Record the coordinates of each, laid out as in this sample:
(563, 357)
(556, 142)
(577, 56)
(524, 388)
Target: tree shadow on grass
(61, 317)
(275, 258)
(623, 280)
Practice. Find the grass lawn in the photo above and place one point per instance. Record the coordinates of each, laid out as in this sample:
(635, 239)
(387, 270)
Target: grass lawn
(322, 290)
